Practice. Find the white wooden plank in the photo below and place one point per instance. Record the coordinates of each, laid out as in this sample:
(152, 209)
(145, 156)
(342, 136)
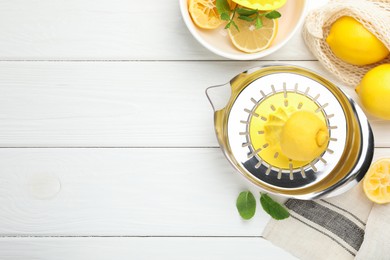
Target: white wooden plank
(105, 29)
(123, 192)
(140, 248)
(119, 103)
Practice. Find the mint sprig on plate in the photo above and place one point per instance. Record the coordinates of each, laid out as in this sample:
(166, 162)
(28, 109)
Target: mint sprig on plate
(245, 14)
(246, 206)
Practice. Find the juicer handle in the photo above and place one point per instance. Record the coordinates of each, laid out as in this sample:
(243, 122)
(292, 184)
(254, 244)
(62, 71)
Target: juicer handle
(219, 95)
(231, 89)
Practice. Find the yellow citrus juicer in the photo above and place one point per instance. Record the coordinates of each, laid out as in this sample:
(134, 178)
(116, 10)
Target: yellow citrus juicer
(292, 132)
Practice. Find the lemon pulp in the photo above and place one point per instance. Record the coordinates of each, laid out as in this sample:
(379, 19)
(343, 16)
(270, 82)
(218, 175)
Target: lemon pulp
(249, 39)
(204, 13)
(376, 184)
(265, 131)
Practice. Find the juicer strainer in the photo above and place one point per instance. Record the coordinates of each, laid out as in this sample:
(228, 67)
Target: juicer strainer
(259, 101)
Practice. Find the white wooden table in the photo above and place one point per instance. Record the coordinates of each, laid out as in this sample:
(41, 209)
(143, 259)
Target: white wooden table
(107, 142)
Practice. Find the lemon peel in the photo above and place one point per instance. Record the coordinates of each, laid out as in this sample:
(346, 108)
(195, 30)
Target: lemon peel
(300, 135)
(374, 91)
(351, 42)
(304, 136)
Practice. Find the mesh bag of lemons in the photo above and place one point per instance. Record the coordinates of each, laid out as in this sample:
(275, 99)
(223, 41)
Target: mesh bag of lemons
(252, 24)
(351, 39)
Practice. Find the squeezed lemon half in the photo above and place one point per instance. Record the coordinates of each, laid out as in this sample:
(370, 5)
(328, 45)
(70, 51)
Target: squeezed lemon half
(376, 184)
(204, 13)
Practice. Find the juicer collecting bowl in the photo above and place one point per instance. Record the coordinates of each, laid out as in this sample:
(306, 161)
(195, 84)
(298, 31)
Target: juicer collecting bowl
(259, 103)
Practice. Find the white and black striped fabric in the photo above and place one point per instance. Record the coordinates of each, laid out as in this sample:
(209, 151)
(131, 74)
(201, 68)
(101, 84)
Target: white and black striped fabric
(336, 228)
(338, 224)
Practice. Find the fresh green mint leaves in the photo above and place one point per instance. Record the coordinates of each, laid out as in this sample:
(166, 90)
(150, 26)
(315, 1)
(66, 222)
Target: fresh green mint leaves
(273, 15)
(246, 206)
(226, 13)
(245, 14)
(273, 208)
(223, 9)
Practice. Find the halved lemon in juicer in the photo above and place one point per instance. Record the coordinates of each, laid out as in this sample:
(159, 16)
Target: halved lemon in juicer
(291, 132)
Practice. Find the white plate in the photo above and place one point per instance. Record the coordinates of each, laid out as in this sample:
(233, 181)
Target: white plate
(218, 41)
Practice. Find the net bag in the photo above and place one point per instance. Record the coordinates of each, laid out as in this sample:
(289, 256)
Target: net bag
(374, 15)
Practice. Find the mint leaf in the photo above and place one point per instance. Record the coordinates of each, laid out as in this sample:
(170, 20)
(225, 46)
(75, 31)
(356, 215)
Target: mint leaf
(225, 17)
(246, 12)
(235, 25)
(223, 7)
(246, 18)
(259, 23)
(273, 208)
(273, 15)
(246, 205)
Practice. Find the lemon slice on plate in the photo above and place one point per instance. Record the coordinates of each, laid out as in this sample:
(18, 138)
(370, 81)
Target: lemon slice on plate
(261, 4)
(249, 39)
(376, 183)
(204, 13)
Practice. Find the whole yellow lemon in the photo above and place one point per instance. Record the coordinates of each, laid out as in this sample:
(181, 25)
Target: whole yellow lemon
(351, 42)
(374, 91)
(304, 136)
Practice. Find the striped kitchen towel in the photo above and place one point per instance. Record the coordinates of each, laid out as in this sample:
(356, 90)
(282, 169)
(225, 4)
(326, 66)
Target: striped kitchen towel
(344, 227)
